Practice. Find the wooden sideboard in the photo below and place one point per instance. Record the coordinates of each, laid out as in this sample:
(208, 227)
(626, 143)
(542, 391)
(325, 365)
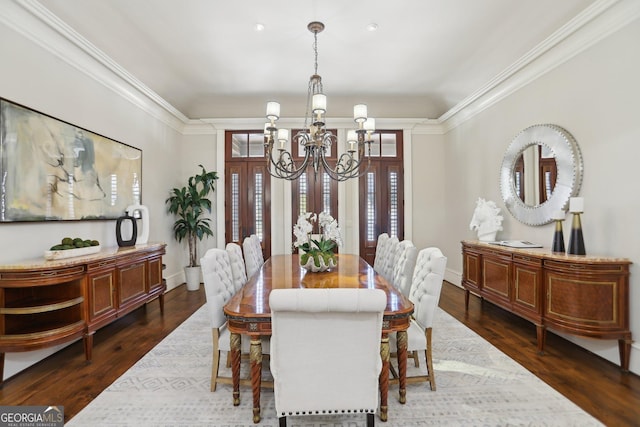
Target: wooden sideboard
(581, 295)
(45, 303)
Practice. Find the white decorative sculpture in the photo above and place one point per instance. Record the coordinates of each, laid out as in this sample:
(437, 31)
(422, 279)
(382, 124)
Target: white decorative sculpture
(143, 234)
(487, 220)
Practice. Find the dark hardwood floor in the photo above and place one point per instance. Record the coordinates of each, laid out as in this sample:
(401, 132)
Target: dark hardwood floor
(594, 384)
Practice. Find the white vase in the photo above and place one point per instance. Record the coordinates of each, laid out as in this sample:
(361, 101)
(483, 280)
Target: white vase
(192, 276)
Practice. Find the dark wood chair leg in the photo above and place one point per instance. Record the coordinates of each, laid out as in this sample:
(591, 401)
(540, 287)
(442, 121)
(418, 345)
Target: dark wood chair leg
(370, 420)
(282, 421)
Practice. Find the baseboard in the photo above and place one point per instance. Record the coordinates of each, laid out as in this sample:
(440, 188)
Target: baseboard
(454, 277)
(175, 280)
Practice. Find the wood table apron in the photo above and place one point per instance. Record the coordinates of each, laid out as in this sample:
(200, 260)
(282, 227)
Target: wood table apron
(248, 313)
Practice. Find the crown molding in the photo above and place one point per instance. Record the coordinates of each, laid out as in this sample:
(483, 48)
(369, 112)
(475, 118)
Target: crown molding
(429, 127)
(598, 21)
(209, 125)
(34, 21)
(52, 34)
(199, 127)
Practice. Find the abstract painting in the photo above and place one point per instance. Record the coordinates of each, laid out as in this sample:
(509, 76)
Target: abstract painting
(51, 170)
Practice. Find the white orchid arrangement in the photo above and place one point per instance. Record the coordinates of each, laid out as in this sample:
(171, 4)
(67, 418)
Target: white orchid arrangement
(329, 236)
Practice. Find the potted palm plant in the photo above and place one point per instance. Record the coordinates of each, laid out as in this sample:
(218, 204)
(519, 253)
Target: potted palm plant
(189, 204)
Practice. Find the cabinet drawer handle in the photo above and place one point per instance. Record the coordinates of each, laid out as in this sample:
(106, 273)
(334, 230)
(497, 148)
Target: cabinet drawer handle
(577, 267)
(48, 273)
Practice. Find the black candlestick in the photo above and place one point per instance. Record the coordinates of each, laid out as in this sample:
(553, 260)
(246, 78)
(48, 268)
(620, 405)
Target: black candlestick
(576, 241)
(558, 238)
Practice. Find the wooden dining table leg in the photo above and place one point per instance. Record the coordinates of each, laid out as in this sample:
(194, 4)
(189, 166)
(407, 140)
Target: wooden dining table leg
(235, 366)
(401, 339)
(255, 357)
(384, 376)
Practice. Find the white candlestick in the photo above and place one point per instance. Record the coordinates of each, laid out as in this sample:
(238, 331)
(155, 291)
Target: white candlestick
(558, 215)
(576, 205)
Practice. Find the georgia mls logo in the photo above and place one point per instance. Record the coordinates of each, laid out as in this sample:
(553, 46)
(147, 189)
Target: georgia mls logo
(31, 416)
(55, 410)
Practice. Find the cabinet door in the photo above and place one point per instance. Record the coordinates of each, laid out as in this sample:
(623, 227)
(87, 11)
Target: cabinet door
(591, 299)
(102, 295)
(132, 284)
(155, 274)
(471, 270)
(527, 287)
(496, 278)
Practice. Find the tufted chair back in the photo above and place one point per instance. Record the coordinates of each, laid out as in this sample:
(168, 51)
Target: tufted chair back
(325, 356)
(238, 271)
(257, 247)
(381, 248)
(427, 284)
(425, 295)
(253, 257)
(218, 288)
(403, 268)
(218, 283)
(391, 255)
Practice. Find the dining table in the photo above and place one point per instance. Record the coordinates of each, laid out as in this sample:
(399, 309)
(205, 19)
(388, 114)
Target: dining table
(248, 315)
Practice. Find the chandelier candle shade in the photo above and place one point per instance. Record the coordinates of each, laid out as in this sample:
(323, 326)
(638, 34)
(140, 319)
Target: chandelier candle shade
(576, 240)
(315, 138)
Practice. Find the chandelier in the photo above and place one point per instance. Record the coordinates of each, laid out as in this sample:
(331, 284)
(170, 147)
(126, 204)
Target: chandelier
(314, 137)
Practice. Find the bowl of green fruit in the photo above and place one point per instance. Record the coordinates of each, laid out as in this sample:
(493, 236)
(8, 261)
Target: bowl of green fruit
(72, 247)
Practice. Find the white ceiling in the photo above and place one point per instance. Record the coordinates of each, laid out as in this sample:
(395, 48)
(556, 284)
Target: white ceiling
(205, 58)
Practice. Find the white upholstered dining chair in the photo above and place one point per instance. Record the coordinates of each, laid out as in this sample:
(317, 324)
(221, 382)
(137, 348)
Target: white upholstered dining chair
(325, 351)
(219, 288)
(253, 256)
(238, 269)
(381, 248)
(425, 292)
(390, 257)
(404, 266)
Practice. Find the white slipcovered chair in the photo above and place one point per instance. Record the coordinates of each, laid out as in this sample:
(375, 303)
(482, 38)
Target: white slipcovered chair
(381, 248)
(257, 245)
(425, 295)
(390, 257)
(253, 257)
(325, 354)
(219, 288)
(403, 267)
(238, 269)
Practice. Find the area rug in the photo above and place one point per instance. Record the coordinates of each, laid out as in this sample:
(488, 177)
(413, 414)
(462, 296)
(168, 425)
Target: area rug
(477, 385)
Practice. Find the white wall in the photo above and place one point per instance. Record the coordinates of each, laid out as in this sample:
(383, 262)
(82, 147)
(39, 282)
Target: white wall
(596, 97)
(32, 76)
(429, 190)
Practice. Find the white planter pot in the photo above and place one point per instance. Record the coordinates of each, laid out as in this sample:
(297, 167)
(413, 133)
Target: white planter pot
(192, 276)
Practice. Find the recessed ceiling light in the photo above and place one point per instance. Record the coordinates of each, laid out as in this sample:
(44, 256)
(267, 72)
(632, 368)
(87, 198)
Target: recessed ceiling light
(372, 27)
(258, 27)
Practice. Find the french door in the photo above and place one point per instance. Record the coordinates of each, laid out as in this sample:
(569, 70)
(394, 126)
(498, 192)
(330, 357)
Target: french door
(247, 189)
(382, 193)
(312, 192)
